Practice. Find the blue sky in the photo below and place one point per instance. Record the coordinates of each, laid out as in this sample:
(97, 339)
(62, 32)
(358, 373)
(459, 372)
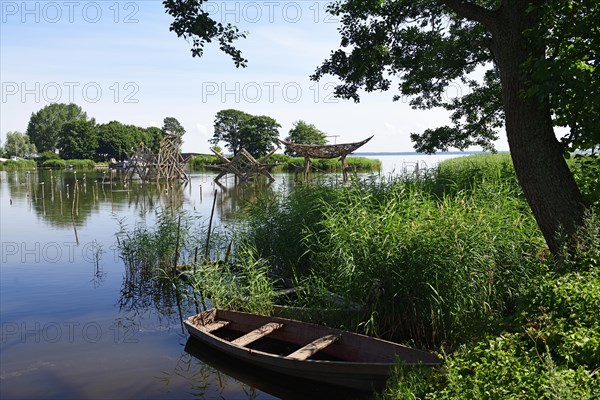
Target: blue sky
(118, 61)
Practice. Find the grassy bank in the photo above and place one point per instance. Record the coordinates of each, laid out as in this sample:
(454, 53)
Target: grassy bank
(293, 164)
(549, 347)
(14, 165)
(61, 164)
(438, 260)
(454, 262)
(451, 261)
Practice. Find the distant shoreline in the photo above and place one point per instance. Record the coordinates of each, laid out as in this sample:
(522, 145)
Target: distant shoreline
(414, 153)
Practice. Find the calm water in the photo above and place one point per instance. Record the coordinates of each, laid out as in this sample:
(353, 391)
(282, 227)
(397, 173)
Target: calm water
(69, 327)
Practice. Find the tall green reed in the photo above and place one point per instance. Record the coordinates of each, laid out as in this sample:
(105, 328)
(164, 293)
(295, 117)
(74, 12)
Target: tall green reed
(440, 258)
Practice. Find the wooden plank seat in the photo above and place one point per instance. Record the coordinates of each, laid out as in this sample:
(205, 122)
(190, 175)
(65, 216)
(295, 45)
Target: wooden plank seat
(213, 326)
(316, 345)
(256, 334)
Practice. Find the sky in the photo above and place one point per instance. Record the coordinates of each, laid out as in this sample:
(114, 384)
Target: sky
(119, 61)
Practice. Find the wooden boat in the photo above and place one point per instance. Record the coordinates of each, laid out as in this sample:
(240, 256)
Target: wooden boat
(325, 150)
(303, 350)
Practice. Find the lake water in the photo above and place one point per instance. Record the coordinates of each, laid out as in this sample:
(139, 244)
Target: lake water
(70, 329)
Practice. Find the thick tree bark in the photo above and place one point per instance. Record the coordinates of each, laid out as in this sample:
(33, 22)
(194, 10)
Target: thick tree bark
(537, 155)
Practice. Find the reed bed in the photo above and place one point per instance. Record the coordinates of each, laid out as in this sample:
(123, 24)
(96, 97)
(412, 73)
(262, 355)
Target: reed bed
(13, 165)
(435, 259)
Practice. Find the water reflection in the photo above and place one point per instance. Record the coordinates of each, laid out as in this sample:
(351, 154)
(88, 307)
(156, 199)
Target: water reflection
(69, 198)
(200, 363)
(49, 281)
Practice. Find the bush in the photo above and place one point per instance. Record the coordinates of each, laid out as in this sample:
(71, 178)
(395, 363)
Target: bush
(200, 162)
(434, 262)
(586, 170)
(77, 164)
(444, 270)
(10, 165)
(48, 155)
(551, 349)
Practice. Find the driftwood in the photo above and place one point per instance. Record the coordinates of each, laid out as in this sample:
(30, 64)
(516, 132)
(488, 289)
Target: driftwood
(309, 151)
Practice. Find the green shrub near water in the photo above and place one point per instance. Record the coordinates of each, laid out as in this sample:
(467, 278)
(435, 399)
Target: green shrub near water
(12, 165)
(200, 162)
(77, 164)
(551, 350)
(287, 163)
(292, 164)
(434, 261)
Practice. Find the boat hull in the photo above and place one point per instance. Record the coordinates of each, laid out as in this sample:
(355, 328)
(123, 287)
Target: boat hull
(346, 367)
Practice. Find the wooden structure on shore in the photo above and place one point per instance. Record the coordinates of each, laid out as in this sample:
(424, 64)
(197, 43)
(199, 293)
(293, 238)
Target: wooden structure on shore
(243, 166)
(309, 151)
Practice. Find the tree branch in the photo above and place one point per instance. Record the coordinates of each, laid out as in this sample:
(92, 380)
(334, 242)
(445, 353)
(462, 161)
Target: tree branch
(471, 11)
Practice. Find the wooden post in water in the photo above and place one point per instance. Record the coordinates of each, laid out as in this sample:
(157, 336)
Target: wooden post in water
(43, 198)
(60, 199)
(212, 213)
(72, 213)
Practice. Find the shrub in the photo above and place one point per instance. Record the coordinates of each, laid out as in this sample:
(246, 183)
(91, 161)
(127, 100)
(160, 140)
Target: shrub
(433, 261)
(17, 164)
(77, 164)
(551, 349)
(200, 162)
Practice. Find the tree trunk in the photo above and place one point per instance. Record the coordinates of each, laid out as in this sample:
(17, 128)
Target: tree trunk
(538, 158)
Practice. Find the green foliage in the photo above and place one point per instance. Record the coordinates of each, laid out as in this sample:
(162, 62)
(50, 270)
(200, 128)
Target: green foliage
(17, 145)
(240, 130)
(258, 134)
(551, 349)
(151, 137)
(48, 155)
(192, 22)
(74, 163)
(568, 74)
(276, 222)
(45, 125)
(476, 116)
(79, 140)
(292, 164)
(465, 173)
(200, 162)
(172, 126)
(302, 132)
(244, 286)
(11, 165)
(227, 126)
(119, 141)
(586, 170)
(153, 248)
(439, 259)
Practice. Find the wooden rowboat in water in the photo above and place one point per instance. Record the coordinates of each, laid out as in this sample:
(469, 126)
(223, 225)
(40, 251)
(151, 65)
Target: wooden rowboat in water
(303, 350)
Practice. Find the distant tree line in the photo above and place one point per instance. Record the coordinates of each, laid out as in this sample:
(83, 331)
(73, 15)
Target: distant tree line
(65, 130)
(258, 133)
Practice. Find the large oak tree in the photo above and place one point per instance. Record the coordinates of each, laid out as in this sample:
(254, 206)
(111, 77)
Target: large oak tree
(541, 63)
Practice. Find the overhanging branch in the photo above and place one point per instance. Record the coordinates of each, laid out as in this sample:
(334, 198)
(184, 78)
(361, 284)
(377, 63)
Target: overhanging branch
(471, 11)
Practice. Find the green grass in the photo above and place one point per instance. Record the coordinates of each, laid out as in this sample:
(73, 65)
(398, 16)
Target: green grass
(200, 162)
(292, 164)
(76, 163)
(436, 260)
(12, 165)
(550, 349)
